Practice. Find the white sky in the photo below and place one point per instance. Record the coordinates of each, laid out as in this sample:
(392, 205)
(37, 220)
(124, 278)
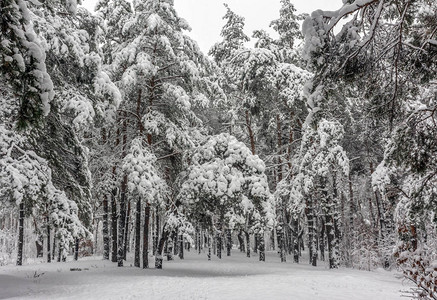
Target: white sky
(205, 16)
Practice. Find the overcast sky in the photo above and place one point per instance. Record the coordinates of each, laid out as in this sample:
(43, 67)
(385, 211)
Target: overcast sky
(205, 16)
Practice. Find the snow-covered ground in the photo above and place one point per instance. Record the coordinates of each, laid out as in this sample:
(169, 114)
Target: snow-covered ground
(235, 277)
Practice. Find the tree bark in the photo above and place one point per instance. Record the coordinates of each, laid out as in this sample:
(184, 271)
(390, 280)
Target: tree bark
(158, 256)
(76, 249)
(247, 243)
(49, 257)
(126, 239)
(114, 225)
(181, 246)
(146, 237)
(20, 234)
(105, 228)
(261, 245)
(137, 234)
(228, 242)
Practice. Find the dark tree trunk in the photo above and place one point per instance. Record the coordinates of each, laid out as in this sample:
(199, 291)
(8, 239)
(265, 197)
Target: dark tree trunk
(39, 246)
(126, 239)
(322, 240)
(295, 224)
(49, 256)
(312, 235)
(272, 240)
(137, 259)
(160, 248)
(209, 247)
(20, 235)
(228, 242)
(114, 226)
(181, 246)
(247, 243)
(54, 246)
(76, 249)
(261, 245)
(281, 237)
(241, 241)
(121, 223)
(156, 232)
(114, 215)
(105, 228)
(123, 202)
(146, 237)
(219, 245)
(170, 246)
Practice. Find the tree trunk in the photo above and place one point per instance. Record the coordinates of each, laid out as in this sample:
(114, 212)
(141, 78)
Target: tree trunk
(228, 242)
(121, 224)
(49, 256)
(241, 241)
(54, 245)
(146, 237)
(76, 249)
(209, 246)
(137, 262)
(247, 243)
(105, 228)
(322, 240)
(250, 131)
(114, 225)
(160, 248)
(295, 224)
(126, 239)
(181, 246)
(114, 216)
(20, 235)
(312, 247)
(156, 232)
(219, 245)
(261, 245)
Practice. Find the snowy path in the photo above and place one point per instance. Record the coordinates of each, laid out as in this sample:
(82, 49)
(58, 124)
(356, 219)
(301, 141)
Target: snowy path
(233, 277)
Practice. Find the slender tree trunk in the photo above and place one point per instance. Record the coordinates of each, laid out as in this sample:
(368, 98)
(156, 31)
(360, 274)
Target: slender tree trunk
(54, 245)
(20, 235)
(137, 259)
(262, 247)
(126, 239)
(247, 243)
(295, 224)
(209, 246)
(114, 215)
(114, 225)
(49, 256)
(59, 252)
(322, 240)
(160, 248)
(241, 241)
(219, 244)
(228, 242)
(250, 131)
(181, 246)
(105, 228)
(312, 236)
(121, 224)
(156, 232)
(76, 249)
(146, 237)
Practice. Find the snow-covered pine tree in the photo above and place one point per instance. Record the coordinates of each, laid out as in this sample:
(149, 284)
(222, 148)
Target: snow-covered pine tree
(225, 187)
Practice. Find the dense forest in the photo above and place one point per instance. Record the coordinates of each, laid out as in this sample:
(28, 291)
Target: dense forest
(118, 136)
